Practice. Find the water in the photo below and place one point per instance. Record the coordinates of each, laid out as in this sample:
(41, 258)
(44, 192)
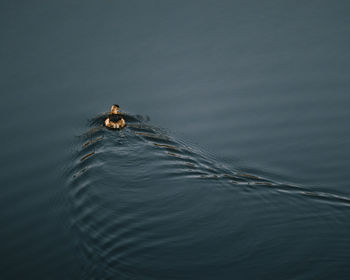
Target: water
(241, 171)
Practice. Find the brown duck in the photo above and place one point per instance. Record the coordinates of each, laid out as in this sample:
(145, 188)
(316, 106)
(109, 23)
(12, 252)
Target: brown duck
(115, 120)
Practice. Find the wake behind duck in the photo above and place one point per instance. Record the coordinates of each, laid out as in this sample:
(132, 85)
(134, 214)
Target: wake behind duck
(145, 203)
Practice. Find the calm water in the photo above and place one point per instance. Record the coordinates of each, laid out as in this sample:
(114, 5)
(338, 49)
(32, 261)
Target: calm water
(235, 166)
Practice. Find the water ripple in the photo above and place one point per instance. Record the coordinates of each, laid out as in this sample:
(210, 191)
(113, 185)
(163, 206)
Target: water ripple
(146, 204)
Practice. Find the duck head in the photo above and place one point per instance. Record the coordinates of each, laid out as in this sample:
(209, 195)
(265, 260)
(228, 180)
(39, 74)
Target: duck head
(115, 109)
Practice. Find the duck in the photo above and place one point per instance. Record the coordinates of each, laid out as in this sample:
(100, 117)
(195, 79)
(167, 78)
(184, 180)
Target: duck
(115, 119)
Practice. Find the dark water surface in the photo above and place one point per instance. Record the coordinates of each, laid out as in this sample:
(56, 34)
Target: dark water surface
(241, 172)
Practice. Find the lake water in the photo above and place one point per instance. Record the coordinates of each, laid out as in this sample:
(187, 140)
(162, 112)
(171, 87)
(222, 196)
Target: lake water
(234, 166)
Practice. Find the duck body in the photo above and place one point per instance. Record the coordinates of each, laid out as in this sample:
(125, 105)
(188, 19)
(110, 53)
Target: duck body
(114, 121)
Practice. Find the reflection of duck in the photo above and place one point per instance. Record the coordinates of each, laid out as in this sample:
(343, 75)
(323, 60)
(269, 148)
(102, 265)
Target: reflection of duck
(114, 119)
